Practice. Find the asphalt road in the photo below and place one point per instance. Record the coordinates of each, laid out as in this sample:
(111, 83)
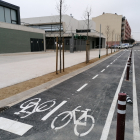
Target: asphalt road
(81, 108)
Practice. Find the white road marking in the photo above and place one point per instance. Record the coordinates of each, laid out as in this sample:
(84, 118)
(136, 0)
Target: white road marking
(136, 130)
(54, 110)
(111, 63)
(108, 66)
(103, 70)
(95, 76)
(15, 127)
(106, 128)
(82, 87)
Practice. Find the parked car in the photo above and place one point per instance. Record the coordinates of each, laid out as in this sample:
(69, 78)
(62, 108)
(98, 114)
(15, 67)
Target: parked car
(130, 46)
(127, 45)
(124, 46)
(119, 47)
(114, 46)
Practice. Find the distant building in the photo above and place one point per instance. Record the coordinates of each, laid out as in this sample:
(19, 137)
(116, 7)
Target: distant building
(39, 34)
(9, 13)
(73, 30)
(118, 23)
(15, 37)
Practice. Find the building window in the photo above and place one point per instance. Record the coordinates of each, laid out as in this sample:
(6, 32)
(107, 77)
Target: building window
(8, 15)
(49, 27)
(2, 14)
(13, 17)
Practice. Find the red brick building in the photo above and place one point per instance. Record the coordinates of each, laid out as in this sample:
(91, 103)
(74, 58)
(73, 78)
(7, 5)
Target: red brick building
(126, 31)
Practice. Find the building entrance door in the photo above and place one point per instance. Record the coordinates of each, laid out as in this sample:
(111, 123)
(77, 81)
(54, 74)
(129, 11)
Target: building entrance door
(92, 44)
(36, 44)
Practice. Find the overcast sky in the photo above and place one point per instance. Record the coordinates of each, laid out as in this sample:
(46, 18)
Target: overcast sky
(128, 8)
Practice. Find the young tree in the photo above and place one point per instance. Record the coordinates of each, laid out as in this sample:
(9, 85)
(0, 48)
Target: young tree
(61, 7)
(113, 31)
(86, 16)
(107, 32)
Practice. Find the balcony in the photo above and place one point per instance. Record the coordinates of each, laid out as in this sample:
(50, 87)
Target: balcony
(122, 28)
(123, 23)
(123, 18)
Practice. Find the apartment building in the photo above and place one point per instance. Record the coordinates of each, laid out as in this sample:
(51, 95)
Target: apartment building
(116, 23)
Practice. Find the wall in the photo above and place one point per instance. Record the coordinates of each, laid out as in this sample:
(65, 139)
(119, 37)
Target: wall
(14, 40)
(114, 21)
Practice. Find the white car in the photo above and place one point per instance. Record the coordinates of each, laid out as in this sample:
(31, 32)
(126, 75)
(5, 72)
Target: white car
(122, 46)
(125, 45)
(130, 46)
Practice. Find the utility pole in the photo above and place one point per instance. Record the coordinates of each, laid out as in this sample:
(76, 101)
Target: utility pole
(115, 43)
(60, 33)
(87, 53)
(100, 42)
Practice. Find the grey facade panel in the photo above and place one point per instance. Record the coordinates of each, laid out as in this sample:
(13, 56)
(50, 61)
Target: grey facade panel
(12, 41)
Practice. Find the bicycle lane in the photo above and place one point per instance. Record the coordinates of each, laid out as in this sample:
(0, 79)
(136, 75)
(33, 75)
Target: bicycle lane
(42, 129)
(127, 88)
(136, 93)
(101, 93)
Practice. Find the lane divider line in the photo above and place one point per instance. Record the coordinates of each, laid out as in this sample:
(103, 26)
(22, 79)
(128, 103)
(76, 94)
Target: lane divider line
(54, 110)
(15, 127)
(108, 66)
(136, 129)
(82, 87)
(95, 76)
(107, 125)
(103, 70)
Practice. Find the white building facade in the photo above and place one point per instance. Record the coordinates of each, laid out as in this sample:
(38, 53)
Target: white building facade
(69, 27)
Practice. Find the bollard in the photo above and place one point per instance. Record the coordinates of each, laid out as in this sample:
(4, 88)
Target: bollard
(127, 72)
(130, 59)
(129, 63)
(121, 116)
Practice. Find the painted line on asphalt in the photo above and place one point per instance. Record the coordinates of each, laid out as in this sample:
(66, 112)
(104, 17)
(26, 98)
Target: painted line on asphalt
(111, 63)
(136, 129)
(15, 127)
(95, 76)
(103, 70)
(106, 128)
(54, 110)
(82, 87)
(108, 66)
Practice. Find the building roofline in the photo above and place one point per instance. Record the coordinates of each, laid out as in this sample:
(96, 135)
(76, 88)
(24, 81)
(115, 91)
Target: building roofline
(47, 16)
(6, 4)
(108, 14)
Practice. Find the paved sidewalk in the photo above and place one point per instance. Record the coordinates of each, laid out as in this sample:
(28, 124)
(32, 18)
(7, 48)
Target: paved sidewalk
(19, 68)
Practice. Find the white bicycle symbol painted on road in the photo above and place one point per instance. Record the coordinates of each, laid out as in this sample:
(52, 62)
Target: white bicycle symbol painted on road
(31, 106)
(77, 123)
